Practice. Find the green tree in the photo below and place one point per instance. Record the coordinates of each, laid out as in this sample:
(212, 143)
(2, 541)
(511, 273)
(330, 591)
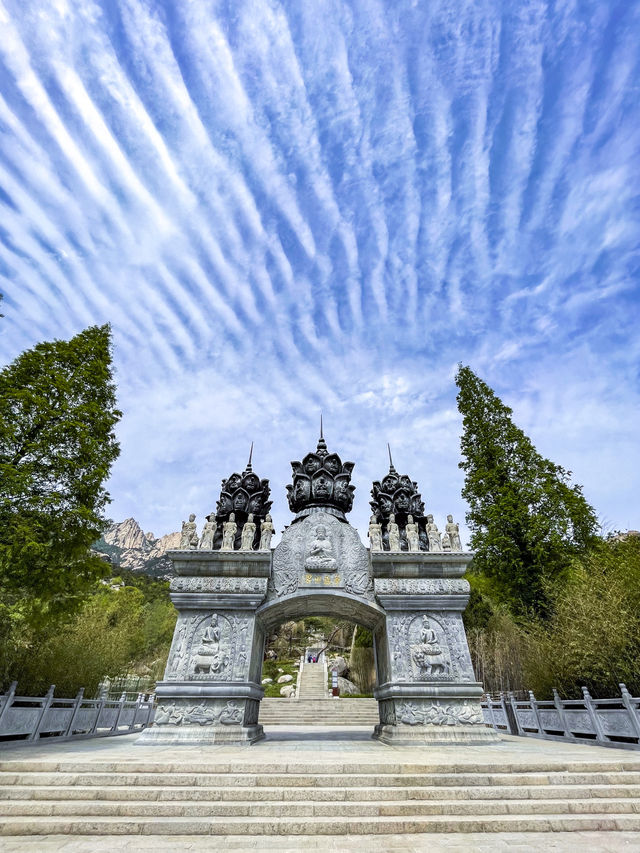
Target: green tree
(57, 444)
(527, 520)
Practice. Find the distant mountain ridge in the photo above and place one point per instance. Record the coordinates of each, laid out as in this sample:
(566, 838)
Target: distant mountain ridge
(129, 547)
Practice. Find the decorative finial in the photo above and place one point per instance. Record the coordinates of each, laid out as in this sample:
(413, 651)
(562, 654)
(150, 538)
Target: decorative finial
(392, 470)
(248, 469)
(322, 444)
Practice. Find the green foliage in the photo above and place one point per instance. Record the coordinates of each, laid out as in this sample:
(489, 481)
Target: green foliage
(363, 638)
(593, 635)
(57, 416)
(116, 631)
(271, 669)
(527, 521)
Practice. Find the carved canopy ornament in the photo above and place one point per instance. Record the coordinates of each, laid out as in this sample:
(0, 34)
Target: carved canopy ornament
(242, 494)
(322, 479)
(398, 495)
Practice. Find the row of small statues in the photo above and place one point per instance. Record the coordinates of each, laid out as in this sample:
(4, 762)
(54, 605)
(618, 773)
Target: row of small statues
(189, 537)
(447, 541)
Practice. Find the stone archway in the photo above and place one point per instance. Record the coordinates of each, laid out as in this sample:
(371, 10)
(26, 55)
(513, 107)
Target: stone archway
(228, 601)
(407, 588)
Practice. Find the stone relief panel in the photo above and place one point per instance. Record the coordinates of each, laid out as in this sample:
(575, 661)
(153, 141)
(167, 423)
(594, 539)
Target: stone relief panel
(462, 713)
(428, 649)
(322, 551)
(211, 647)
(204, 714)
(421, 586)
(453, 627)
(210, 656)
(220, 584)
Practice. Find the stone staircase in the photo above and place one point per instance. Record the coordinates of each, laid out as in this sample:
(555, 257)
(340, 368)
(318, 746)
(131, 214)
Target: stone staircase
(319, 712)
(141, 795)
(312, 683)
(314, 707)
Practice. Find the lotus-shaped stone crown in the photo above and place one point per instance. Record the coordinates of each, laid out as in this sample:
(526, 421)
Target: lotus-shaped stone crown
(243, 494)
(322, 479)
(396, 494)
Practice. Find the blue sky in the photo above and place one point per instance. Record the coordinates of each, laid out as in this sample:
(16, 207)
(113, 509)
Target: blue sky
(288, 207)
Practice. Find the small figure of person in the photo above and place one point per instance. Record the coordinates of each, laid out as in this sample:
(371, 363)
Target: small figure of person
(266, 532)
(453, 530)
(394, 534)
(208, 532)
(248, 534)
(413, 534)
(434, 536)
(229, 529)
(189, 534)
(375, 534)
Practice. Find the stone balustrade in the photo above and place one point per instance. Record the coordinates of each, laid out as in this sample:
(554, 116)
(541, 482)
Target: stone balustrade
(606, 722)
(32, 719)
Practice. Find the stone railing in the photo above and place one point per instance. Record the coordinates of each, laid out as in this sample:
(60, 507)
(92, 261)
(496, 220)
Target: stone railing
(31, 719)
(606, 722)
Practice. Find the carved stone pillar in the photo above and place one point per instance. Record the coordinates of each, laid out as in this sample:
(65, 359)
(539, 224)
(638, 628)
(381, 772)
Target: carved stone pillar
(211, 689)
(427, 690)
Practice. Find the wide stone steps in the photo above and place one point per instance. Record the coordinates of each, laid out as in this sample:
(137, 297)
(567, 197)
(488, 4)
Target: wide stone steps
(251, 808)
(143, 796)
(146, 793)
(159, 826)
(319, 712)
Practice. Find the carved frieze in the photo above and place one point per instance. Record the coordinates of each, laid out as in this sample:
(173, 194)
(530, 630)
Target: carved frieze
(421, 586)
(464, 713)
(219, 584)
(204, 714)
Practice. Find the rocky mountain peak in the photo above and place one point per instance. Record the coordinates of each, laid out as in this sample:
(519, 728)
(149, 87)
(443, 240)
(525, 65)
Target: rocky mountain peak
(129, 547)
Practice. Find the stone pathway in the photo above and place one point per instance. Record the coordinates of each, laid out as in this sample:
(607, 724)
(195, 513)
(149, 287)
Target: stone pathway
(503, 842)
(325, 751)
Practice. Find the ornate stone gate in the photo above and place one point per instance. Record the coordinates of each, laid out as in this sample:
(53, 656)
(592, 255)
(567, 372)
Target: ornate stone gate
(231, 590)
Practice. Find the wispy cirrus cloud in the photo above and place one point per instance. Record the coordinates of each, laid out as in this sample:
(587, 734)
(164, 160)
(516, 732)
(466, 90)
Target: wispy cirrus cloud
(284, 208)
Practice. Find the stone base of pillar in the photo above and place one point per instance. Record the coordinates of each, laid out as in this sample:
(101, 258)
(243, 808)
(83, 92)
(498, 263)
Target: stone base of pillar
(434, 735)
(200, 735)
(432, 713)
(205, 712)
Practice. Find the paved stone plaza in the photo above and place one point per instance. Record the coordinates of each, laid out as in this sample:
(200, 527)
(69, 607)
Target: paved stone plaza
(332, 751)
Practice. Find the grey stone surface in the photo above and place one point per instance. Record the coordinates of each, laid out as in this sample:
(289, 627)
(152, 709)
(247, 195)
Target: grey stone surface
(412, 600)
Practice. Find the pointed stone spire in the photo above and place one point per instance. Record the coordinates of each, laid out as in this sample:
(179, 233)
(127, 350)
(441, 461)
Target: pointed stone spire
(249, 469)
(392, 470)
(321, 450)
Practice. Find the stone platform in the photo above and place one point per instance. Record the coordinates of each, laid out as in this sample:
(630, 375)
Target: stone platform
(325, 789)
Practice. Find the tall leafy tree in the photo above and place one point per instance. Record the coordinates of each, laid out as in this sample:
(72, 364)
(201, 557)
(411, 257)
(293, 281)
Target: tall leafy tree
(526, 518)
(57, 444)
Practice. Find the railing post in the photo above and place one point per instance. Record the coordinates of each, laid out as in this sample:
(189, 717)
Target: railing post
(557, 701)
(533, 702)
(123, 699)
(102, 698)
(46, 704)
(593, 716)
(8, 699)
(76, 708)
(151, 699)
(487, 699)
(132, 724)
(627, 701)
(510, 713)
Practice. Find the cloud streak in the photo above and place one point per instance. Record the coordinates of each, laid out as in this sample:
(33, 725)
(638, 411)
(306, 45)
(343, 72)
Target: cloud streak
(284, 208)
